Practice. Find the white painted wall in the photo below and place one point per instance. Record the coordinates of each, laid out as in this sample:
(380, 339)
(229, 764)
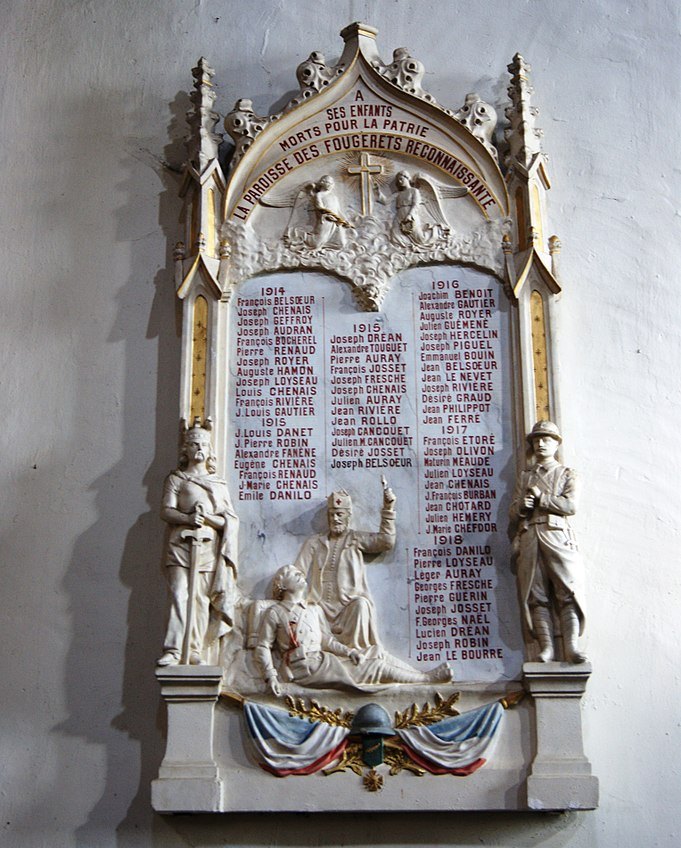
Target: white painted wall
(93, 102)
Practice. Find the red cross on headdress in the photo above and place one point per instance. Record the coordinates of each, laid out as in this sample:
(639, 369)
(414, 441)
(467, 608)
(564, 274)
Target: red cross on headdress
(339, 500)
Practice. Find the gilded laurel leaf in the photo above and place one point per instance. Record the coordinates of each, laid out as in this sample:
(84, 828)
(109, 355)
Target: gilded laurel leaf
(396, 759)
(351, 758)
(414, 716)
(314, 711)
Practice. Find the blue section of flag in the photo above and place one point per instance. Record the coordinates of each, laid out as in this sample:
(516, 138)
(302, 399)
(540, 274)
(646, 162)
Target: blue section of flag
(287, 745)
(455, 743)
(272, 723)
(479, 723)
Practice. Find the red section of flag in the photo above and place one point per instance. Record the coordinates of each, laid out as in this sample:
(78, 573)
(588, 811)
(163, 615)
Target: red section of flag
(332, 755)
(431, 767)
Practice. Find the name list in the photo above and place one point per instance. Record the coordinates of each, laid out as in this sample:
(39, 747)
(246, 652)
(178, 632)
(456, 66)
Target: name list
(368, 384)
(277, 396)
(454, 571)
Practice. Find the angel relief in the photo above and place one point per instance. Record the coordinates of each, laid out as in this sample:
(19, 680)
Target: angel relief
(316, 220)
(419, 219)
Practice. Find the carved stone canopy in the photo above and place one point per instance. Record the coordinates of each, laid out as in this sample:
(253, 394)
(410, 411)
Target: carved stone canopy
(317, 185)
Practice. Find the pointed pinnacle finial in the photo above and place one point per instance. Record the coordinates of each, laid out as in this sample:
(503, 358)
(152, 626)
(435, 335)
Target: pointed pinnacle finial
(203, 73)
(359, 38)
(523, 136)
(202, 142)
(357, 28)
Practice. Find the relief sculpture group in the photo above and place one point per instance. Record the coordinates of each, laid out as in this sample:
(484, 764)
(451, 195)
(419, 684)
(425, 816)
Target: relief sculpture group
(320, 627)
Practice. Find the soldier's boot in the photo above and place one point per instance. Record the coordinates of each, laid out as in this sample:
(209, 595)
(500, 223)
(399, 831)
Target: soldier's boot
(399, 672)
(543, 632)
(569, 622)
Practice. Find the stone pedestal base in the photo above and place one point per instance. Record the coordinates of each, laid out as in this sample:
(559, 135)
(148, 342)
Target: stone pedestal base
(209, 766)
(188, 778)
(560, 776)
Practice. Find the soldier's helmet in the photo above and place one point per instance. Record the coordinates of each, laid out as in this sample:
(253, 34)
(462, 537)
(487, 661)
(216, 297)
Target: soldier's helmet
(545, 428)
(372, 720)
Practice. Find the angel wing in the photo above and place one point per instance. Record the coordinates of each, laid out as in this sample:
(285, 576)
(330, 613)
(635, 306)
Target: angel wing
(285, 199)
(298, 200)
(452, 191)
(430, 199)
(431, 194)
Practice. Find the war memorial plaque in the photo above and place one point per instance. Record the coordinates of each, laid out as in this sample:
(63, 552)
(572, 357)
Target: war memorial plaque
(325, 398)
(364, 581)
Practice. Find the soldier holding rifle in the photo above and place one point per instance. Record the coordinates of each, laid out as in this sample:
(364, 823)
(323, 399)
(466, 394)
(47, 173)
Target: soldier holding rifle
(550, 570)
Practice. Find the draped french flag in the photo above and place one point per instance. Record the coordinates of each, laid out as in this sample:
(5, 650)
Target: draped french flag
(459, 745)
(287, 745)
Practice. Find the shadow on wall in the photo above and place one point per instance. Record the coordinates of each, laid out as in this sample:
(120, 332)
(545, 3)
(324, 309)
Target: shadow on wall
(100, 675)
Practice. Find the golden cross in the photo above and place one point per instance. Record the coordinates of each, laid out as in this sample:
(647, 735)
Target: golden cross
(365, 170)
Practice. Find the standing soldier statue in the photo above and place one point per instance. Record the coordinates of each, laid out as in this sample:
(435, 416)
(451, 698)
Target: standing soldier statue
(550, 570)
(201, 555)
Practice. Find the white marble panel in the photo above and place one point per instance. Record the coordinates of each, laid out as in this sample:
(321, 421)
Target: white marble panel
(323, 396)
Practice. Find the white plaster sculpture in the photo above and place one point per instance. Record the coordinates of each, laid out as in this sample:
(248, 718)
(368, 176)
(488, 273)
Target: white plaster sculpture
(523, 135)
(419, 219)
(309, 654)
(203, 141)
(370, 258)
(407, 73)
(334, 565)
(201, 553)
(550, 570)
(330, 223)
(317, 202)
(481, 119)
(314, 74)
(243, 125)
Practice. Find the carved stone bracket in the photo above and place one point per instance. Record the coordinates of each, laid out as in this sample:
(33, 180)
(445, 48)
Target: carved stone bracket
(313, 75)
(188, 778)
(243, 125)
(407, 73)
(560, 778)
